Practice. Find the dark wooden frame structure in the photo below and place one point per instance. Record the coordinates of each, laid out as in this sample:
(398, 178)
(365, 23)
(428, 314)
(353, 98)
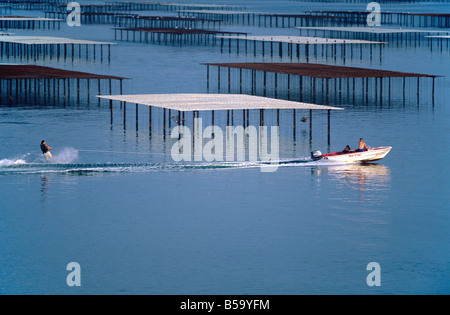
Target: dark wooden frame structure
(170, 35)
(326, 75)
(29, 84)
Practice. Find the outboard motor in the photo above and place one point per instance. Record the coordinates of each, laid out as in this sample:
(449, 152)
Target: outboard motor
(316, 155)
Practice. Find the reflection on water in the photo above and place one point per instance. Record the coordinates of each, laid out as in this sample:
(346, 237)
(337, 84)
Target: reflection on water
(356, 196)
(370, 181)
(45, 183)
(361, 176)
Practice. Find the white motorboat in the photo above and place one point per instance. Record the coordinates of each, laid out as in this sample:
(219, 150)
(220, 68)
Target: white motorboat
(371, 155)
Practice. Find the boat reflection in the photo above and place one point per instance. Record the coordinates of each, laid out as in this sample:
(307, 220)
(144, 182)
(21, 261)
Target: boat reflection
(360, 194)
(362, 177)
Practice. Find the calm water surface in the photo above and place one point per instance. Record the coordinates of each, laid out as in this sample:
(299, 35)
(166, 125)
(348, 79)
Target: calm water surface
(137, 222)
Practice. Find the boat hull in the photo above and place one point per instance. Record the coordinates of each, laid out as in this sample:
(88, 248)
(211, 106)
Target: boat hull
(371, 155)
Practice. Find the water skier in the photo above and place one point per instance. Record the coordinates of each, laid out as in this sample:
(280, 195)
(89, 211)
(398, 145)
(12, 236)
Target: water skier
(46, 150)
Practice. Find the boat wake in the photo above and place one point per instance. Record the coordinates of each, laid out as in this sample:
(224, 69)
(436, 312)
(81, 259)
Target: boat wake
(40, 166)
(7, 162)
(15, 167)
(62, 156)
(64, 163)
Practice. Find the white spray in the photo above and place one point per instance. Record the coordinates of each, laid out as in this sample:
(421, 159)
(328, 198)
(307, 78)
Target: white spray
(65, 156)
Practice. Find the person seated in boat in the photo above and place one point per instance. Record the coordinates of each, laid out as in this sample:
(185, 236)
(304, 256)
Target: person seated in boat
(347, 150)
(362, 146)
(46, 150)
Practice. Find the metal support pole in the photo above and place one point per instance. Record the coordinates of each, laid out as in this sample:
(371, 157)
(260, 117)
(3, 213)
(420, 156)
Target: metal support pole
(329, 127)
(124, 115)
(137, 117)
(111, 109)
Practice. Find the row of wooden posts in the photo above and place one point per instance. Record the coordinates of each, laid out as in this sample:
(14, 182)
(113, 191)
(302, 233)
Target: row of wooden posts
(306, 88)
(231, 117)
(55, 51)
(53, 91)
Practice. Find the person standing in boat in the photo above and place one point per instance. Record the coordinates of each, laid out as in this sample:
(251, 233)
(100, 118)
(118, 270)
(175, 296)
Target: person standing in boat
(362, 146)
(46, 150)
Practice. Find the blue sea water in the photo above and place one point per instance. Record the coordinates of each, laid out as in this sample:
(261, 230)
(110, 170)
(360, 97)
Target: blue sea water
(137, 222)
